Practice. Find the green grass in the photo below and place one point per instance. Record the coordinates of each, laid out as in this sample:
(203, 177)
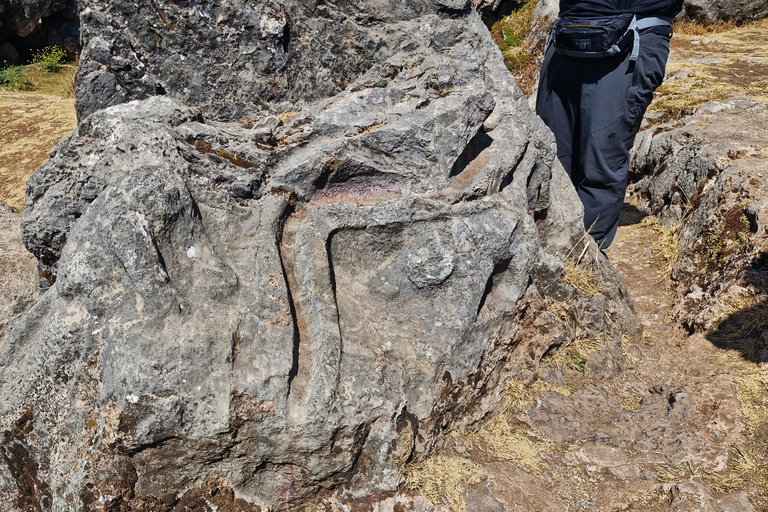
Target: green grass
(511, 35)
(51, 58)
(11, 78)
(35, 77)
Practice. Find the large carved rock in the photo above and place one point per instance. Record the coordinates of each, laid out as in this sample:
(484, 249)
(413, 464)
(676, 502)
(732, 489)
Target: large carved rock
(301, 301)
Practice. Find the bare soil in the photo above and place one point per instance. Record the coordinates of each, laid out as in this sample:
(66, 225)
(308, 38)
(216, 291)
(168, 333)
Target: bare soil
(31, 125)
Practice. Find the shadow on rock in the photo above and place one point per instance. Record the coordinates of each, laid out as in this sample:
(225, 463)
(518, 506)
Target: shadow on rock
(631, 215)
(746, 329)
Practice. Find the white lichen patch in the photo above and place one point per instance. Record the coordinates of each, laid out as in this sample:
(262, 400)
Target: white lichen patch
(143, 224)
(131, 399)
(192, 252)
(271, 26)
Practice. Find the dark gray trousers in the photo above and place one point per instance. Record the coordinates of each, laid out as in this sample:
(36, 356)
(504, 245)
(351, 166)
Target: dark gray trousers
(595, 107)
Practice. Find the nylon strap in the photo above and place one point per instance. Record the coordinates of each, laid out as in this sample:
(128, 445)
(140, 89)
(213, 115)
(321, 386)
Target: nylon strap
(638, 25)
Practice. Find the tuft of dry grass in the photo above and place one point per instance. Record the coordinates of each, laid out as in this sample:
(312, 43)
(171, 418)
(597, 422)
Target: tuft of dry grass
(286, 116)
(582, 269)
(655, 500)
(518, 395)
(440, 479)
(666, 247)
(676, 473)
(499, 441)
(696, 28)
(574, 355)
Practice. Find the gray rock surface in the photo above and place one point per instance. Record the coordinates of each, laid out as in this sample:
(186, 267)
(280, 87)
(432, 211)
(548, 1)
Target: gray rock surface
(18, 271)
(295, 304)
(703, 176)
(718, 11)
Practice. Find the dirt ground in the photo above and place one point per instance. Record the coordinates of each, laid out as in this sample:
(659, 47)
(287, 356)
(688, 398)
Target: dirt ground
(709, 65)
(678, 427)
(31, 125)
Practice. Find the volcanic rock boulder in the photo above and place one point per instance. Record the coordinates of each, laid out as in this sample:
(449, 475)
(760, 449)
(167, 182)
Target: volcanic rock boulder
(297, 303)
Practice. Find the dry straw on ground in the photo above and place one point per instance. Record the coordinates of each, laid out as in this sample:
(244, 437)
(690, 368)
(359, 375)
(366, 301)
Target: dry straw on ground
(713, 62)
(440, 479)
(498, 440)
(31, 124)
(666, 247)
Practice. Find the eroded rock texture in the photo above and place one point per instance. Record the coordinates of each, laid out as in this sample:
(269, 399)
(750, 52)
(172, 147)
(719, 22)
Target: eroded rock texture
(18, 271)
(704, 178)
(294, 303)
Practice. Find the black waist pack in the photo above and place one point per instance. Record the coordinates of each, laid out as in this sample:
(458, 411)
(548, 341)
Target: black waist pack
(594, 36)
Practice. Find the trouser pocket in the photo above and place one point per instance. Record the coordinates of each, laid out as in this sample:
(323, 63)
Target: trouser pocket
(614, 140)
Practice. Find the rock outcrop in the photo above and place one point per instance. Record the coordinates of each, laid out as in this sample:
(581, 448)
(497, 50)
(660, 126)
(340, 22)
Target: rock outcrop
(293, 242)
(718, 11)
(703, 177)
(18, 271)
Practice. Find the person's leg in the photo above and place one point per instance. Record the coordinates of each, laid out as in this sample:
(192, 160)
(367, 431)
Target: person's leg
(557, 103)
(614, 98)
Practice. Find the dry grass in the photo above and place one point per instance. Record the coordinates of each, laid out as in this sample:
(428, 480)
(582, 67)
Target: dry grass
(676, 473)
(499, 441)
(666, 248)
(695, 28)
(626, 345)
(655, 500)
(682, 96)
(574, 355)
(286, 116)
(440, 479)
(40, 81)
(753, 397)
(747, 468)
(713, 62)
(752, 313)
(31, 124)
(518, 395)
(30, 127)
(582, 268)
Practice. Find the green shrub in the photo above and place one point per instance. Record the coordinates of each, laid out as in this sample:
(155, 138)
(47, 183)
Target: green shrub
(50, 58)
(12, 77)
